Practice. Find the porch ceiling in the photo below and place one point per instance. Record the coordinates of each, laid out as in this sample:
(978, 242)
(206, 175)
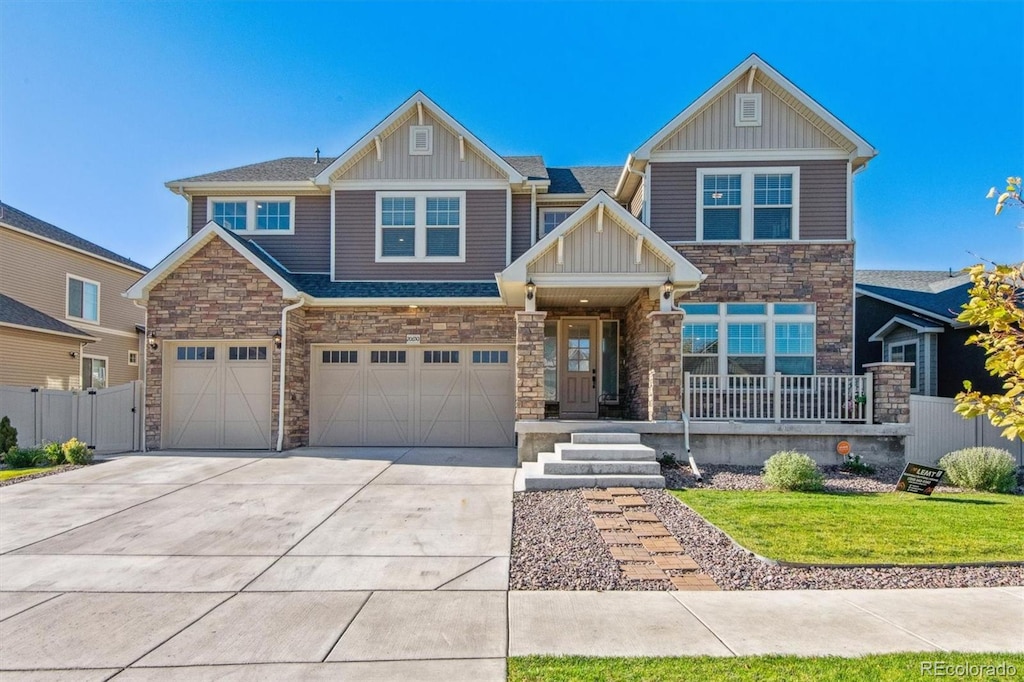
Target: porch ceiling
(603, 297)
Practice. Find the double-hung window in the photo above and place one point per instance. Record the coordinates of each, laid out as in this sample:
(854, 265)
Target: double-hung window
(758, 338)
(414, 226)
(255, 215)
(748, 204)
(83, 299)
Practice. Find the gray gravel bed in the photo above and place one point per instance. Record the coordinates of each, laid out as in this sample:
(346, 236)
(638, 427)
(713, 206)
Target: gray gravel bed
(41, 474)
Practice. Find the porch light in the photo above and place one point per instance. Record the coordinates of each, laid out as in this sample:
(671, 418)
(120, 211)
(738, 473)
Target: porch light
(531, 290)
(153, 343)
(277, 339)
(73, 354)
(666, 289)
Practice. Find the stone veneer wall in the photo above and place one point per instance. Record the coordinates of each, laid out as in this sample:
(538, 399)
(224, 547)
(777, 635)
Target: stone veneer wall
(296, 405)
(216, 294)
(636, 345)
(891, 384)
(821, 273)
(530, 365)
(665, 386)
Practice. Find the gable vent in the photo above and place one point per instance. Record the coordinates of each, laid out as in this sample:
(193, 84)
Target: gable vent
(421, 140)
(748, 109)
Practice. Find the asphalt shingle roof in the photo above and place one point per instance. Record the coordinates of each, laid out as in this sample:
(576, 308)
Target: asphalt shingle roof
(928, 281)
(288, 169)
(13, 311)
(531, 167)
(28, 223)
(587, 180)
(946, 304)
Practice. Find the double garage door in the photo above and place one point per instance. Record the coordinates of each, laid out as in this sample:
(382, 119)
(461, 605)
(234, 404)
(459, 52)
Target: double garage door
(458, 395)
(217, 394)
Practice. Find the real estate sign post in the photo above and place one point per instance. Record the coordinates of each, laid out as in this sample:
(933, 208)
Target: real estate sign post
(919, 479)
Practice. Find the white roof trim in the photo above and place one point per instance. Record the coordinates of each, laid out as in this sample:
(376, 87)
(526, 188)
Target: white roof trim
(682, 271)
(405, 302)
(417, 100)
(897, 322)
(863, 148)
(140, 290)
(41, 330)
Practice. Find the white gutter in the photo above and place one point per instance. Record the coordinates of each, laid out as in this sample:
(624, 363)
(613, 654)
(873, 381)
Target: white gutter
(508, 226)
(533, 215)
(145, 370)
(281, 373)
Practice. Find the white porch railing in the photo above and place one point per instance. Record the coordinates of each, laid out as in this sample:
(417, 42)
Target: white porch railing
(749, 397)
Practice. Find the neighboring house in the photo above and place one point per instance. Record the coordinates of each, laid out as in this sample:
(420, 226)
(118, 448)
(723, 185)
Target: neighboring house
(420, 288)
(910, 316)
(64, 321)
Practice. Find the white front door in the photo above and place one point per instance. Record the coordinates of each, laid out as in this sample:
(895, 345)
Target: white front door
(579, 378)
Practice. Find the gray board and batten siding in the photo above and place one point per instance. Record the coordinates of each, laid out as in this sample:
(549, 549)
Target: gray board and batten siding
(355, 234)
(307, 250)
(673, 197)
(585, 250)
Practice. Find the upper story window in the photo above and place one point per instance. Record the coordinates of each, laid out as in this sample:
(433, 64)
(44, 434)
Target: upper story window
(274, 215)
(83, 299)
(748, 204)
(550, 218)
(414, 226)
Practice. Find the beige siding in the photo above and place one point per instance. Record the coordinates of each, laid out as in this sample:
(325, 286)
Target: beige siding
(355, 234)
(398, 164)
(586, 250)
(521, 240)
(33, 359)
(785, 124)
(38, 279)
(115, 349)
(636, 204)
(308, 250)
(673, 211)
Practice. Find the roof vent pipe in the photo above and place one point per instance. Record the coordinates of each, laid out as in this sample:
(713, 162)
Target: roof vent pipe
(317, 153)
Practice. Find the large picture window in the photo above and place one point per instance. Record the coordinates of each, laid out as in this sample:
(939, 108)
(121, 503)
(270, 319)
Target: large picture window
(759, 338)
(748, 204)
(413, 226)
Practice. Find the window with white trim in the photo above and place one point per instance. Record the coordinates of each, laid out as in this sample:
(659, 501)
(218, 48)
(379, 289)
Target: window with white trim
(94, 372)
(550, 218)
(906, 351)
(133, 358)
(253, 215)
(83, 299)
(415, 226)
(760, 338)
(748, 204)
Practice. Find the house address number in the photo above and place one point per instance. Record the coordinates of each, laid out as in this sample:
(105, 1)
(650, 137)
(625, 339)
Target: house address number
(412, 339)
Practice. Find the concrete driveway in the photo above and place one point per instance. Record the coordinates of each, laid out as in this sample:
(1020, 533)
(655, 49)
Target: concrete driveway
(380, 563)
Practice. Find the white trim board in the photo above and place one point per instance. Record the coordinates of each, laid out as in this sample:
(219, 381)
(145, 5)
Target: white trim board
(82, 337)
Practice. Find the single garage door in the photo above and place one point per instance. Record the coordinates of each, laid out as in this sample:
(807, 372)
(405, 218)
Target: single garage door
(217, 395)
(458, 395)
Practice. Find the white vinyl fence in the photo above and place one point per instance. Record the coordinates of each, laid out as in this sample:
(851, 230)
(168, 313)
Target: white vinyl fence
(939, 430)
(778, 397)
(110, 419)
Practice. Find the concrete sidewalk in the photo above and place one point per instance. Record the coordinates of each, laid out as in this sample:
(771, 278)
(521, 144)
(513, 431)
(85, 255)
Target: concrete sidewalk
(375, 564)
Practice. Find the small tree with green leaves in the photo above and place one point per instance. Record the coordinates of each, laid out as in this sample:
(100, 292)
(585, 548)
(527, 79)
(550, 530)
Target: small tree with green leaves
(996, 308)
(8, 435)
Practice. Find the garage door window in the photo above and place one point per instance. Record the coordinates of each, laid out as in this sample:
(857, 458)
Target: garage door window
(387, 357)
(440, 357)
(195, 353)
(490, 357)
(340, 357)
(247, 353)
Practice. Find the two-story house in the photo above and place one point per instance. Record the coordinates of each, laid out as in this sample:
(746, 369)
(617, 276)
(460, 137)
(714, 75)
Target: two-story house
(64, 321)
(422, 289)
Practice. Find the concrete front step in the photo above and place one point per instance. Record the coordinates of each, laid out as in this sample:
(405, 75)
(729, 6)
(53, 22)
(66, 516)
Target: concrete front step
(633, 452)
(530, 478)
(605, 438)
(603, 467)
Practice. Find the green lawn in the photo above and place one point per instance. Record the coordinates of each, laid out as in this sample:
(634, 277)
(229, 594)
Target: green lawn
(760, 668)
(867, 528)
(6, 474)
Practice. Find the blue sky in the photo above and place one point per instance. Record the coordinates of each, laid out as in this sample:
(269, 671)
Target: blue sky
(101, 103)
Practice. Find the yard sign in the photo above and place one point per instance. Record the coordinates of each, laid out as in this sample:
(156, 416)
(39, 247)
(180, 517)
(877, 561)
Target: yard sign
(919, 479)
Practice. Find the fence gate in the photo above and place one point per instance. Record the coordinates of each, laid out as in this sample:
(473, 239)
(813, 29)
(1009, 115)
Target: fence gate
(109, 419)
(939, 430)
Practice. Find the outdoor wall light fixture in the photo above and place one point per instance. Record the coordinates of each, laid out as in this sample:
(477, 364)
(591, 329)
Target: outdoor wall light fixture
(666, 289)
(531, 290)
(277, 339)
(153, 344)
(73, 354)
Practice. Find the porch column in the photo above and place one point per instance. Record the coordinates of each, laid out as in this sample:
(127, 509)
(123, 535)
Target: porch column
(665, 383)
(530, 365)
(891, 399)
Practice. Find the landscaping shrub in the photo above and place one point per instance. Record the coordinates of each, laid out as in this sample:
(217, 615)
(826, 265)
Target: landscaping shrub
(76, 452)
(853, 464)
(54, 453)
(8, 435)
(23, 458)
(789, 470)
(986, 469)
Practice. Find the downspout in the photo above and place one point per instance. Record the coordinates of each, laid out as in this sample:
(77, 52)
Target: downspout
(281, 372)
(533, 215)
(145, 370)
(686, 417)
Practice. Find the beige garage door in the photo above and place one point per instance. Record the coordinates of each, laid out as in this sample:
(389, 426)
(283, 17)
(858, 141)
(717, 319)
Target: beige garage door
(412, 395)
(217, 395)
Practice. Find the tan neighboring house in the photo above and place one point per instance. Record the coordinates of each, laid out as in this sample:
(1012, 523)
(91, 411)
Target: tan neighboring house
(64, 323)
